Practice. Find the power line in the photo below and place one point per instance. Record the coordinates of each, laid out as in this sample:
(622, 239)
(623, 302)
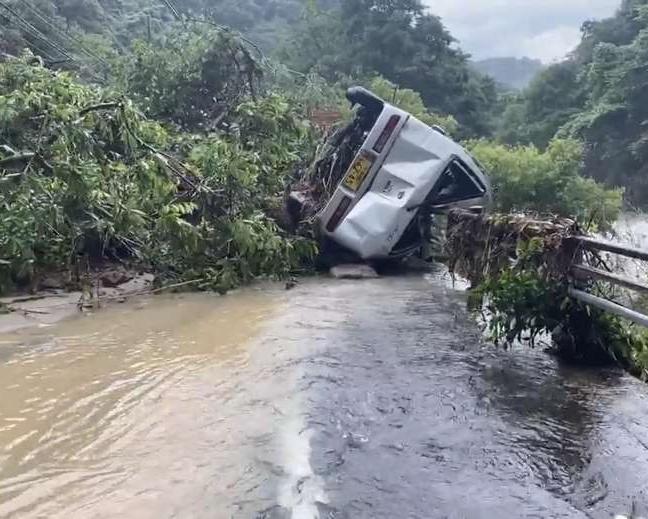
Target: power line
(222, 28)
(42, 52)
(60, 31)
(114, 38)
(173, 9)
(226, 29)
(45, 54)
(34, 32)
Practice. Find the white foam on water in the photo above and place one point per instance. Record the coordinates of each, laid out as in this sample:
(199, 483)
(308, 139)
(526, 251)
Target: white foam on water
(301, 490)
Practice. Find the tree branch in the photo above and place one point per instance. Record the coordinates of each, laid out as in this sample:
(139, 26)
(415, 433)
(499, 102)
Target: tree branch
(25, 158)
(100, 106)
(19, 157)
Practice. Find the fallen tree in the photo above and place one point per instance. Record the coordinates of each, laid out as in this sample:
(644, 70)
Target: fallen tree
(86, 177)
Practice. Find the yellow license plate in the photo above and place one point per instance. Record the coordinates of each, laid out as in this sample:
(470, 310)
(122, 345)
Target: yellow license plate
(358, 172)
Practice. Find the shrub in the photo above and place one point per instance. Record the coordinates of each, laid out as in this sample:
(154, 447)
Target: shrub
(527, 179)
(80, 174)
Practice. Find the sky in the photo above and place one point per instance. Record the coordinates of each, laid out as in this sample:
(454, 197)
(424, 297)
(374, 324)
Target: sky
(541, 29)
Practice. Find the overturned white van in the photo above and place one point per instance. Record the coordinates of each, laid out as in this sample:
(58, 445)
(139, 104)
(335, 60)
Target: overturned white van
(396, 172)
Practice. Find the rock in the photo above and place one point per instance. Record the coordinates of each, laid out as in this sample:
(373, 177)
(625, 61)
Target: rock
(355, 271)
(114, 278)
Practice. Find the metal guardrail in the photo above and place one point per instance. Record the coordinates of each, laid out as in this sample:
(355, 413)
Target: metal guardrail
(583, 273)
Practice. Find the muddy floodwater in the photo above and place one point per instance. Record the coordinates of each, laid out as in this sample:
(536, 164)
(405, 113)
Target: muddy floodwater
(338, 399)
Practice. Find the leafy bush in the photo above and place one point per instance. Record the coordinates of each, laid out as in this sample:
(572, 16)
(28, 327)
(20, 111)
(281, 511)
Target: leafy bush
(524, 304)
(73, 178)
(527, 179)
(519, 268)
(276, 134)
(80, 175)
(193, 78)
(225, 252)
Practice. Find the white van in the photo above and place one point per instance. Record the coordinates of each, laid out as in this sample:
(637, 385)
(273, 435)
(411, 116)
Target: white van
(397, 172)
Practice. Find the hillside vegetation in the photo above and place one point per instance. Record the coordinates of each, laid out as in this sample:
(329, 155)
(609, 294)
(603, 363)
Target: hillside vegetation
(598, 95)
(166, 134)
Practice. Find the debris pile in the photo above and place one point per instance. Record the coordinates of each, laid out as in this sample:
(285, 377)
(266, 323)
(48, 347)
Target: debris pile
(481, 247)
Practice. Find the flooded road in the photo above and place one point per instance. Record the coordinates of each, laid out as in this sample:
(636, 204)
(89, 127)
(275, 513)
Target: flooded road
(371, 399)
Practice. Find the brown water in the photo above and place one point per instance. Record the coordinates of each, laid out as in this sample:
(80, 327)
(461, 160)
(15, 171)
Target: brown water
(337, 399)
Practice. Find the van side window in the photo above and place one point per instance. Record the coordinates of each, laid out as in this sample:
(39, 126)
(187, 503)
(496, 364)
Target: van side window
(458, 183)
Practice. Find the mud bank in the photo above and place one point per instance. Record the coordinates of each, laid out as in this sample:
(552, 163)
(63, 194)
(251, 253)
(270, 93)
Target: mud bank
(49, 306)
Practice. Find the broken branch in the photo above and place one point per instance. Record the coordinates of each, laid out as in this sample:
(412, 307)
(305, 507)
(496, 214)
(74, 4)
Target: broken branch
(100, 106)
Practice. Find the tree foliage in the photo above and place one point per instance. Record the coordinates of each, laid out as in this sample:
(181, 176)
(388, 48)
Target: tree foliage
(398, 40)
(526, 178)
(181, 157)
(613, 121)
(600, 95)
(510, 73)
(551, 99)
(403, 43)
(80, 176)
(193, 78)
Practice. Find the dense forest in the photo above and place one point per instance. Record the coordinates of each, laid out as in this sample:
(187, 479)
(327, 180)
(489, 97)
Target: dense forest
(398, 40)
(599, 95)
(166, 132)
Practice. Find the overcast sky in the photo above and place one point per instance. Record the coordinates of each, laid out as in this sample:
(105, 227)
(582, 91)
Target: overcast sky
(543, 29)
